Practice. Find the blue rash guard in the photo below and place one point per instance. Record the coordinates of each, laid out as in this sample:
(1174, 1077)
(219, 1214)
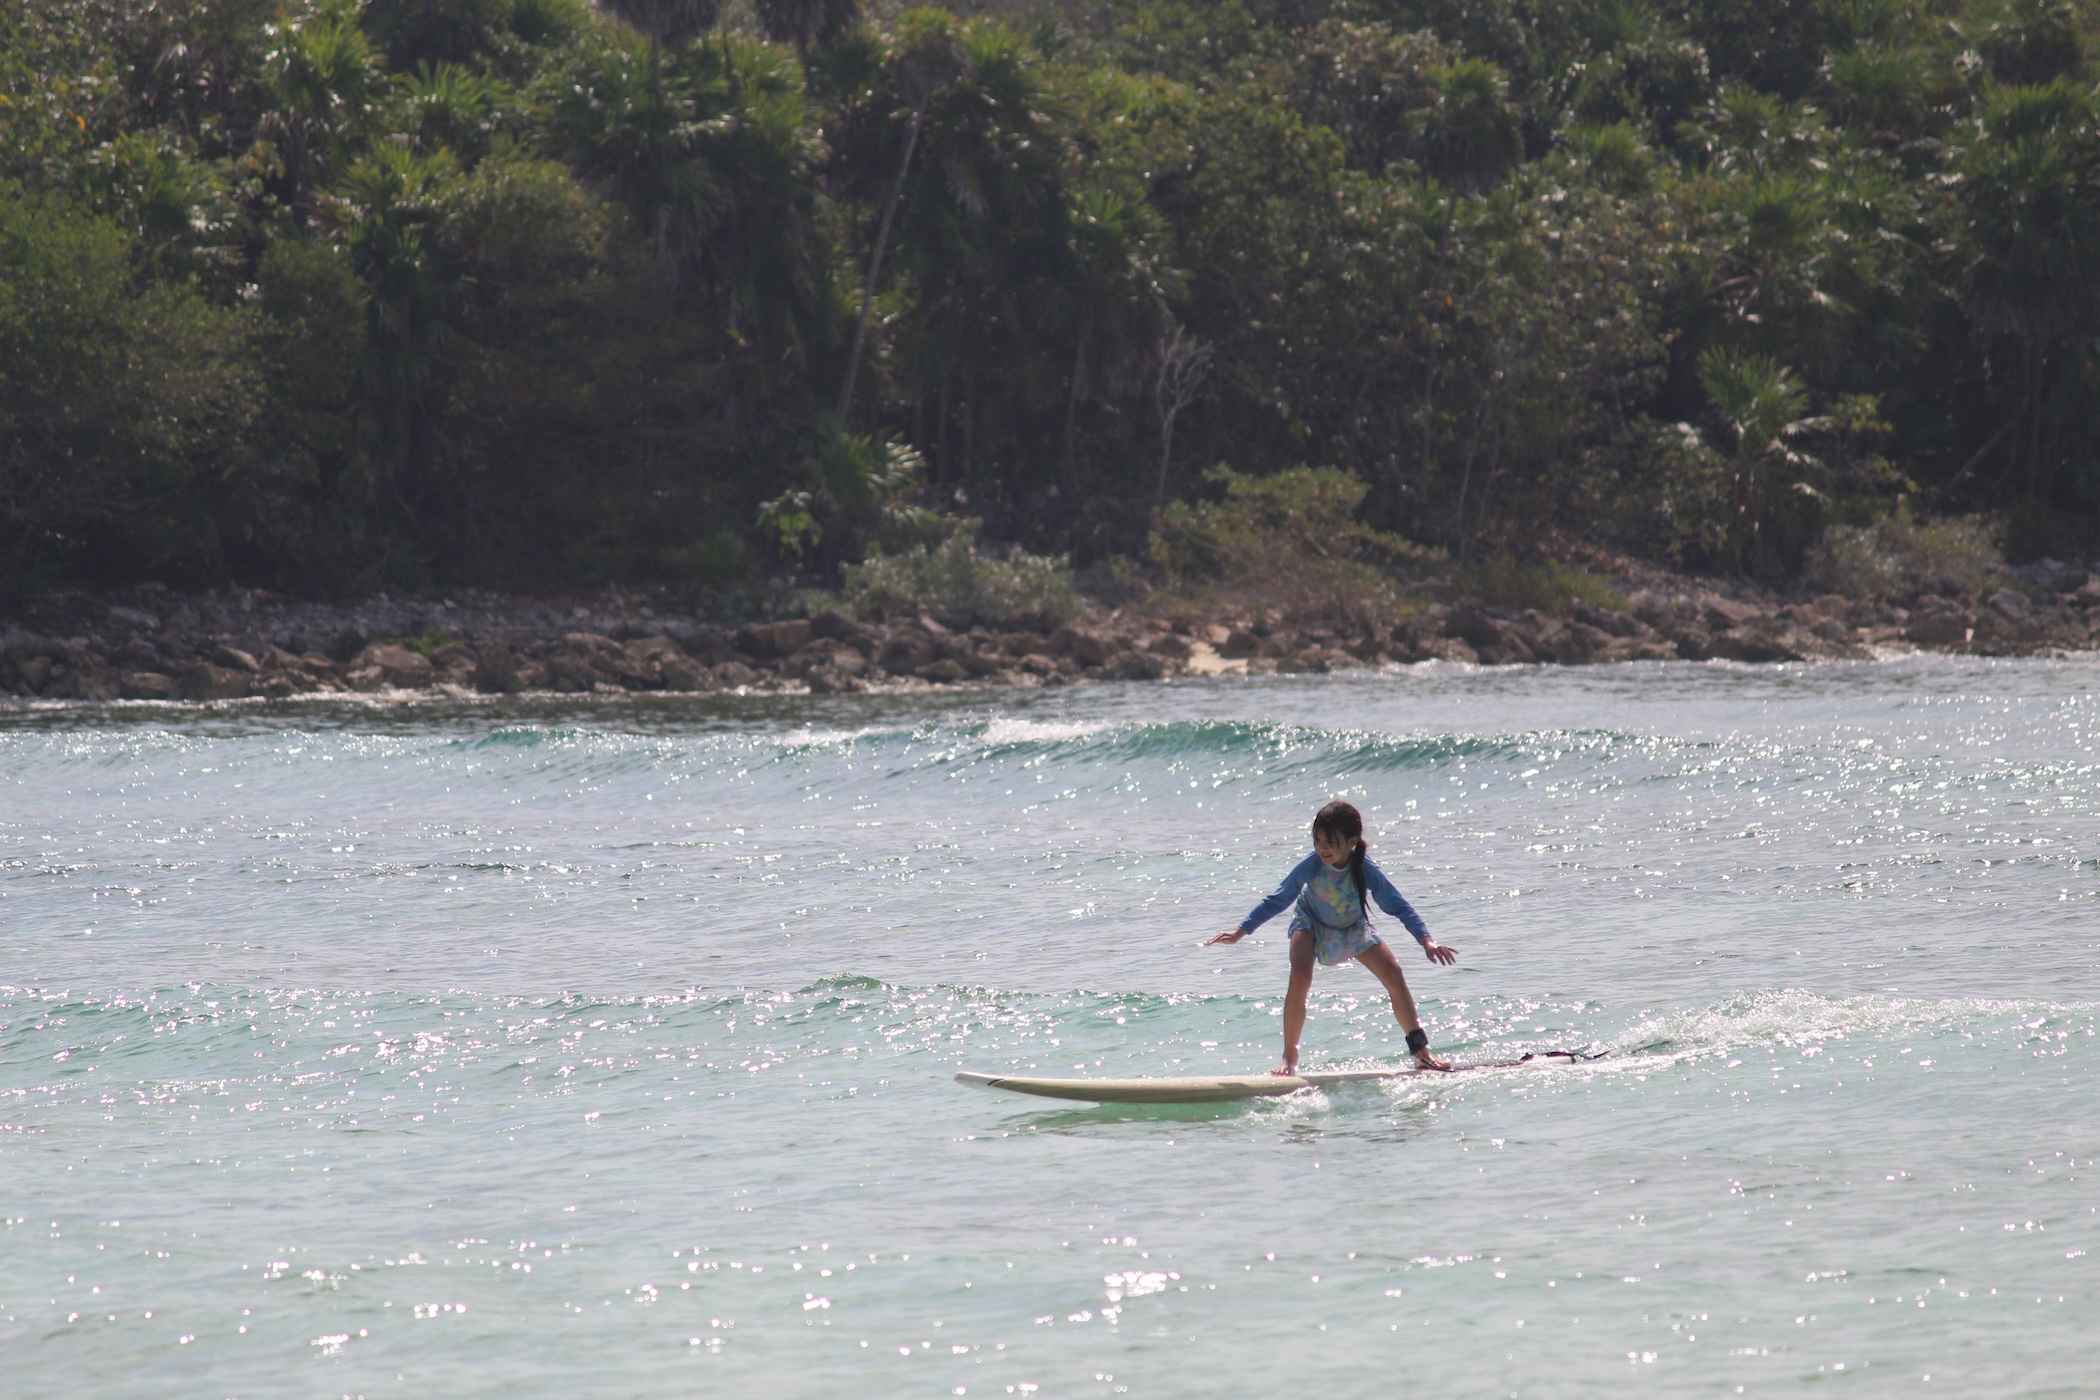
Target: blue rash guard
(1339, 907)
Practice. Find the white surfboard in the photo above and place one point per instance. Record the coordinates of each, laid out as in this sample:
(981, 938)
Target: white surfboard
(1219, 1088)
(1195, 1089)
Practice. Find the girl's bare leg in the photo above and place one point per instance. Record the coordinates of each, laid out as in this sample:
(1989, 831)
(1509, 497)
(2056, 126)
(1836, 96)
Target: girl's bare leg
(1379, 958)
(1294, 999)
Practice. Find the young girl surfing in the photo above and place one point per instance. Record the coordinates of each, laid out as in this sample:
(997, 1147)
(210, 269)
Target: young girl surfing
(1329, 889)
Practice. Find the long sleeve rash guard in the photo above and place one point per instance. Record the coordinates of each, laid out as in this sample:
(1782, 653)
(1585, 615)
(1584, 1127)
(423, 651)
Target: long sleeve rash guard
(1376, 887)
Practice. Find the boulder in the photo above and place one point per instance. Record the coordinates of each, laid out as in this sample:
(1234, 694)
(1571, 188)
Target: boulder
(641, 663)
(1239, 644)
(1938, 623)
(1449, 649)
(773, 639)
(907, 649)
(682, 673)
(234, 658)
(836, 626)
(1171, 647)
(735, 675)
(827, 681)
(1083, 644)
(1693, 642)
(496, 670)
(573, 674)
(205, 681)
(365, 678)
(401, 666)
(1134, 666)
(1760, 639)
(2012, 604)
(1724, 613)
(147, 685)
(946, 670)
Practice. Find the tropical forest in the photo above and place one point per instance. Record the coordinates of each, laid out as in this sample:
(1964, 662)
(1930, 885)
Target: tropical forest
(330, 297)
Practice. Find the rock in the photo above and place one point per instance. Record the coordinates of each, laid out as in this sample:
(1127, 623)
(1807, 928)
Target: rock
(1610, 621)
(35, 672)
(682, 673)
(827, 681)
(771, 639)
(945, 670)
(1757, 640)
(1239, 644)
(496, 670)
(640, 664)
(1134, 666)
(1725, 613)
(735, 675)
(234, 658)
(147, 685)
(836, 626)
(1310, 662)
(1938, 623)
(2013, 604)
(907, 649)
(81, 675)
(208, 682)
(1171, 647)
(572, 674)
(402, 667)
(134, 617)
(1086, 646)
(1449, 649)
(1693, 642)
(365, 678)
(454, 656)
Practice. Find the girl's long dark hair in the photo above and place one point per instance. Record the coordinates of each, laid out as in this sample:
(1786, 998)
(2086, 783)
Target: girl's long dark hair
(1338, 821)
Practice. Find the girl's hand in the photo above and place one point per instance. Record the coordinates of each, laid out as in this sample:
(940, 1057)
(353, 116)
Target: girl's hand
(1439, 953)
(1231, 935)
(1425, 1060)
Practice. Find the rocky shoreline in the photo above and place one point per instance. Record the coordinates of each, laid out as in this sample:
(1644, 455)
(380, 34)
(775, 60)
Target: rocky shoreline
(153, 644)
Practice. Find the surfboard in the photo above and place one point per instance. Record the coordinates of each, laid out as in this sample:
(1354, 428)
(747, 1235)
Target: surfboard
(1220, 1088)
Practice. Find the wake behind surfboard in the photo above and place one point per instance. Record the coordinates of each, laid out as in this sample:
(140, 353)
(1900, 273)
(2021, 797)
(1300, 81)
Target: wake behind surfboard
(1223, 1088)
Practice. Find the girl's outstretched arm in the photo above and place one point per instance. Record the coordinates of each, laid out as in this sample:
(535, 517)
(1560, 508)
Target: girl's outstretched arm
(1278, 901)
(1382, 893)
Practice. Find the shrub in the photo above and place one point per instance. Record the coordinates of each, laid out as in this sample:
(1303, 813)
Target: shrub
(1550, 586)
(1288, 546)
(959, 587)
(1898, 553)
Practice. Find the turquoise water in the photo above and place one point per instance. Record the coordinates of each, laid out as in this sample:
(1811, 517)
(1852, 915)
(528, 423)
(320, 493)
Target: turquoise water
(605, 1050)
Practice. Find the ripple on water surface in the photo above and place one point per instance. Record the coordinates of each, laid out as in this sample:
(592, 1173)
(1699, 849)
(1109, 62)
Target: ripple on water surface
(607, 1050)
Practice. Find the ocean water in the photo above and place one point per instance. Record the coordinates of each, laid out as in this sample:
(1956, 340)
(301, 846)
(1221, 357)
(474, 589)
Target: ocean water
(606, 1049)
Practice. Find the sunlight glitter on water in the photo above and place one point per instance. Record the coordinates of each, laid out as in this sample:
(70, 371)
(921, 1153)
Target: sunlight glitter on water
(608, 1052)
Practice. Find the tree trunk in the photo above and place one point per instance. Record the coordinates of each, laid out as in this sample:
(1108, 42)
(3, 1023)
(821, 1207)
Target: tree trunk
(882, 238)
(1086, 332)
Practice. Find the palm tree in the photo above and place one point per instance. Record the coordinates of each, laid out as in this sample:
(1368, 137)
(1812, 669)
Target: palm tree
(322, 77)
(2029, 242)
(928, 58)
(1119, 292)
(1470, 136)
(806, 22)
(1762, 407)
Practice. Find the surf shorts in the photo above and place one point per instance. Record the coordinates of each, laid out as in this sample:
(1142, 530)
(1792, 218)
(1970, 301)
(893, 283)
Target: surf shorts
(1334, 946)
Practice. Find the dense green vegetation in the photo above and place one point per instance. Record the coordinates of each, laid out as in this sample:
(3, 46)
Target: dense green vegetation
(326, 295)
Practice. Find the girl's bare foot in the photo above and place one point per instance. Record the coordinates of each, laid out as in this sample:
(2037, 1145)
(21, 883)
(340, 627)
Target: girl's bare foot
(1425, 1060)
(1285, 1070)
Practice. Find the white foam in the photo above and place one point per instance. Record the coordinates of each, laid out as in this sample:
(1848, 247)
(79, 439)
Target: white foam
(1031, 731)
